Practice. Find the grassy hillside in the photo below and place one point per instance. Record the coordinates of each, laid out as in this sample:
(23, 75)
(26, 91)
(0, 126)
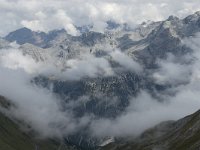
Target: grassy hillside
(183, 134)
(12, 138)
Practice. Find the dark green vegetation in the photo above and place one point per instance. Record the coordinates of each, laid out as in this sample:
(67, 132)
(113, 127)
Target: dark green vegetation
(13, 138)
(183, 134)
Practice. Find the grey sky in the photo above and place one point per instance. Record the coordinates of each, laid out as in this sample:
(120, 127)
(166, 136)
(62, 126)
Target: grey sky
(46, 15)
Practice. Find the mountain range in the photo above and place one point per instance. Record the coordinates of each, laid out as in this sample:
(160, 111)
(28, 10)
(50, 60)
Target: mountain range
(127, 57)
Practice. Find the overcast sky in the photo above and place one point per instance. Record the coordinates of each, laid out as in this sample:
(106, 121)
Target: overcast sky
(46, 15)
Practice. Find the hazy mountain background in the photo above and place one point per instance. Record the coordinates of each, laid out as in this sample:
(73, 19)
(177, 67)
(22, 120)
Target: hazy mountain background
(95, 87)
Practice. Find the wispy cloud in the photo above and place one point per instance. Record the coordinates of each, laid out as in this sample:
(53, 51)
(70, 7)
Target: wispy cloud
(43, 110)
(181, 98)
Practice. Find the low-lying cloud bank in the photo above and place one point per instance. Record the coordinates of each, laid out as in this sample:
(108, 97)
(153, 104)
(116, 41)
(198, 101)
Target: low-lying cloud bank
(36, 106)
(67, 69)
(181, 99)
(39, 107)
(44, 111)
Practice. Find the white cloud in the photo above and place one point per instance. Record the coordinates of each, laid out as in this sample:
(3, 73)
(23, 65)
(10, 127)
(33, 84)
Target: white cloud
(143, 112)
(71, 69)
(126, 62)
(172, 72)
(181, 99)
(36, 106)
(48, 14)
(14, 59)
